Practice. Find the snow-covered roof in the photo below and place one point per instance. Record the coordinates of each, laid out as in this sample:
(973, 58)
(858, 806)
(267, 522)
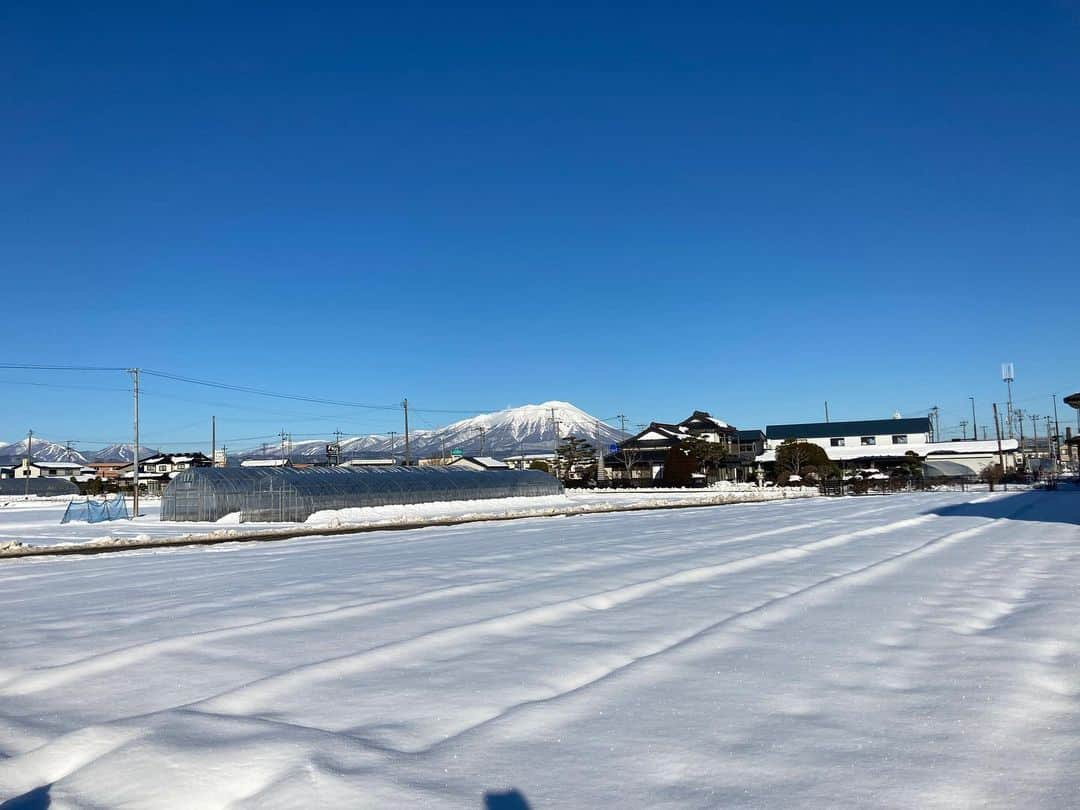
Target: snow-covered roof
(58, 465)
(483, 461)
(264, 462)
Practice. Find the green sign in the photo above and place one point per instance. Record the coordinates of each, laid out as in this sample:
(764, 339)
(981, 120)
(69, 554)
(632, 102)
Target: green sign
(457, 451)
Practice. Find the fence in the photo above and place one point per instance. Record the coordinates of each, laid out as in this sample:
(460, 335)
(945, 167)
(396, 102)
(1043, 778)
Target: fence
(94, 511)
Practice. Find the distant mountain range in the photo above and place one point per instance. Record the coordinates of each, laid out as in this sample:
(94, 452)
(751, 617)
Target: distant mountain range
(45, 450)
(527, 429)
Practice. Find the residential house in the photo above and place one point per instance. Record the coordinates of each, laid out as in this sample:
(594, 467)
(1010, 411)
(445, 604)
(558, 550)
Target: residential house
(639, 460)
(155, 472)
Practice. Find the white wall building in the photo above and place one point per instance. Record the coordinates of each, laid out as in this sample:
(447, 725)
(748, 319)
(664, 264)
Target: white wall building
(883, 439)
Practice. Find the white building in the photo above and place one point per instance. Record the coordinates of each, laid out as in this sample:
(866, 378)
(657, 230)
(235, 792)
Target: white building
(50, 469)
(862, 436)
(369, 462)
(893, 439)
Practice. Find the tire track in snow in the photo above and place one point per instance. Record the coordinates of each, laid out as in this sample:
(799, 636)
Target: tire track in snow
(33, 681)
(248, 698)
(41, 679)
(765, 614)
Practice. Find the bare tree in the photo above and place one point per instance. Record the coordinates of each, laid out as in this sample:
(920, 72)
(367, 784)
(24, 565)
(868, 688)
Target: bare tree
(629, 456)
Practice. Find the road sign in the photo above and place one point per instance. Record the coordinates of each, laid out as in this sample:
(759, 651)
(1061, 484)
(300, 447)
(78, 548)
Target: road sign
(457, 451)
(613, 448)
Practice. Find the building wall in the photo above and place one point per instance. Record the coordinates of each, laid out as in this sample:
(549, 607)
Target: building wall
(879, 440)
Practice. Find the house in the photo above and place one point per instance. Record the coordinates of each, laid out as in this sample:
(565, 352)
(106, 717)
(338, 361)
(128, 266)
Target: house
(109, 470)
(751, 445)
(524, 460)
(639, 460)
(886, 443)
(155, 472)
(49, 469)
(478, 463)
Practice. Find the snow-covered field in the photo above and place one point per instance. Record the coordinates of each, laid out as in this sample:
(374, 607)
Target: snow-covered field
(914, 650)
(36, 522)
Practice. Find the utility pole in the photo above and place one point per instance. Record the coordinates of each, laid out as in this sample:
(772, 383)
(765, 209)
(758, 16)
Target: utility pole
(1020, 418)
(555, 441)
(1001, 453)
(963, 428)
(826, 411)
(282, 436)
(1057, 432)
(405, 405)
(1050, 454)
(1034, 435)
(135, 465)
(1008, 375)
(393, 433)
(337, 446)
(29, 459)
(622, 423)
(984, 433)
(935, 423)
(213, 440)
(601, 472)
(975, 422)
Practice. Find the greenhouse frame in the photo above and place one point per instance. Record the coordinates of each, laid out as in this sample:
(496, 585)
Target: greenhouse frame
(285, 494)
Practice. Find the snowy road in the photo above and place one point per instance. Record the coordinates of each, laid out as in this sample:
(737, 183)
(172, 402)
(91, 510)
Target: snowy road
(905, 651)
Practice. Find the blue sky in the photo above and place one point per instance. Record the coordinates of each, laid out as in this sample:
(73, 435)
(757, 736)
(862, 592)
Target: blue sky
(746, 209)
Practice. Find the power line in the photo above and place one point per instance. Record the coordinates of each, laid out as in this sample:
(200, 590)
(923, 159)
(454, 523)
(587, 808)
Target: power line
(42, 367)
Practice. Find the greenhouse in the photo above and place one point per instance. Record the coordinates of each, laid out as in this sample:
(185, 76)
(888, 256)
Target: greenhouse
(277, 494)
(44, 487)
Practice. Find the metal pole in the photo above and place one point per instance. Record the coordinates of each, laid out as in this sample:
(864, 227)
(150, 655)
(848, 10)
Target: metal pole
(826, 410)
(135, 453)
(1057, 432)
(29, 459)
(974, 421)
(1034, 436)
(1001, 453)
(213, 441)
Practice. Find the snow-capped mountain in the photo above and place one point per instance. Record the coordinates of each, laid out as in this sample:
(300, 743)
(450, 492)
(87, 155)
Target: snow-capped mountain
(42, 450)
(122, 452)
(527, 429)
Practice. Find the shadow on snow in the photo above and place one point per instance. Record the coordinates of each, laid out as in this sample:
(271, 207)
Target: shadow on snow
(1041, 506)
(36, 799)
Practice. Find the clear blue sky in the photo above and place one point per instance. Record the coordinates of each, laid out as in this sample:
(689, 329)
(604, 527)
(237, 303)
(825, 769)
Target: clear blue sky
(744, 208)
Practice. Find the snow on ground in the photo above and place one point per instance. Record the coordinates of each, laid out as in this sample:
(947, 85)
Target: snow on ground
(918, 650)
(36, 522)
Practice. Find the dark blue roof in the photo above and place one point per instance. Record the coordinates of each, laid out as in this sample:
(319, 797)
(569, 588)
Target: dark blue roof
(749, 435)
(864, 427)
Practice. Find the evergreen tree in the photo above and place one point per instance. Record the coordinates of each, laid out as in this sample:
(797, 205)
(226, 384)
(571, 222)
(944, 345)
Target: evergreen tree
(573, 456)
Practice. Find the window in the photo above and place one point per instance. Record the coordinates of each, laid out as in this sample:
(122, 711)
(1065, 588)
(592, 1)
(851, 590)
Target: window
(902, 439)
(868, 440)
(838, 442)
